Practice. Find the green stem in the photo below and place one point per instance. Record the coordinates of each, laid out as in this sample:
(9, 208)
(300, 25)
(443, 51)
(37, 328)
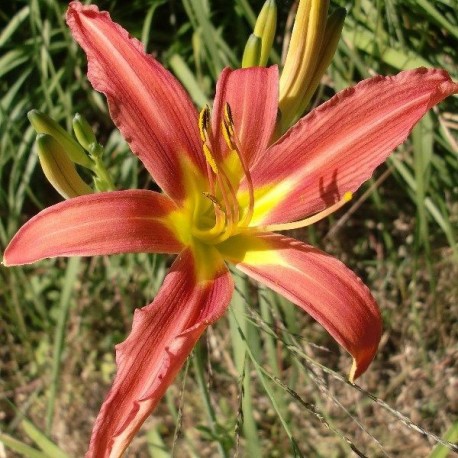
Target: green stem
(102, 179)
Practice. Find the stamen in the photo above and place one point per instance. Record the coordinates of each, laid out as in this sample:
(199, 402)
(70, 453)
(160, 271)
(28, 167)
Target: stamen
(212, 198)
(308, 221)
(204, 122)
(204, 126)
(231, 208)
(210, 159)
(226, 212)
(224, 227)
(228, 118)
(230, 200)
(227, 135)
(234, 144)
(220, 215)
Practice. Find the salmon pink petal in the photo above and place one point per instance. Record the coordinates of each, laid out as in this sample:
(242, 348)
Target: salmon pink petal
(318, 283)
(147, 104)
(252, 94)
(163, 335)
(336, 147)
(96, 224)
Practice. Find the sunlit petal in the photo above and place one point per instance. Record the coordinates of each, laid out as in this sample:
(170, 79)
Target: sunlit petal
(337, 146)
(148, 105)
(319, 284)
(96, 224)
(163, 334)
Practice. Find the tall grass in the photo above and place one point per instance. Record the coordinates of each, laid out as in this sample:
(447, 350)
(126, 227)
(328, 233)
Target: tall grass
(259, 383)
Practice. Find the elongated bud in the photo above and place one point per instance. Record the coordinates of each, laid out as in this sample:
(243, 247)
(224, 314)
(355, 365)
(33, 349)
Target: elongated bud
(252, 52)
(265, 28)
(43, 124)
(332, 33)
(83, 132)
(302, 58)
(59, 169)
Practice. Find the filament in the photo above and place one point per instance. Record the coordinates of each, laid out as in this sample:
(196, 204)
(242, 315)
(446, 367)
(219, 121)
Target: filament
(233, 142)
(307, 221)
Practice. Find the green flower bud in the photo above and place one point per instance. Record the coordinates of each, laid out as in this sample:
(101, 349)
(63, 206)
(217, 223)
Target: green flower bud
(43, 124)
(265, 28)
(83, 132)
(252, 53)
(59, 169)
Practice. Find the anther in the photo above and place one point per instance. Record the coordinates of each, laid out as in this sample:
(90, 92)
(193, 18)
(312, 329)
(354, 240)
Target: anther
(204, 122)
(233, 143)
(229, 120)
(227, 135)
(210, 159)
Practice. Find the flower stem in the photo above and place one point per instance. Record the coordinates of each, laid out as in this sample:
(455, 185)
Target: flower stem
(102, 179)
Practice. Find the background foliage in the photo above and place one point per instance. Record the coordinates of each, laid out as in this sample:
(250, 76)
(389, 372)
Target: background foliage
(258, 384)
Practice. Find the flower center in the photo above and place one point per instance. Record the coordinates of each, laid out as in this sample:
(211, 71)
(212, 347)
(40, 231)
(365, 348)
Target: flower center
(221, 215)
(218, 214)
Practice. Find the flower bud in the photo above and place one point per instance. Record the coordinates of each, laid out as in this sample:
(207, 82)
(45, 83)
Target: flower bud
(302, 58)
(43, 124)
(332, 33)
(83, 132)
(59, 169)
(252, 52)
(265, 28)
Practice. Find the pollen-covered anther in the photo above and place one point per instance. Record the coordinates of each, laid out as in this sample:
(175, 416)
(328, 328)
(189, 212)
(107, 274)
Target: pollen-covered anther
(210, 159)
(228, 117)
(234, 144)
(204, 123)
(227, 128)
(227, 135)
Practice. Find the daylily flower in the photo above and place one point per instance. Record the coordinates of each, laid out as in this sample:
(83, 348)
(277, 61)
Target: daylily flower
(225, 190)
